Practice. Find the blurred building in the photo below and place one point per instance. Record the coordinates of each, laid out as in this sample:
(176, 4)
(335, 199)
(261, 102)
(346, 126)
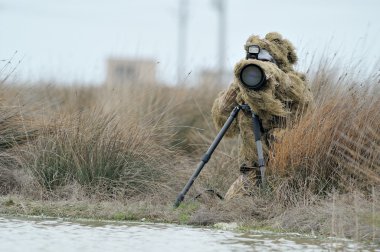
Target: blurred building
(124, 71)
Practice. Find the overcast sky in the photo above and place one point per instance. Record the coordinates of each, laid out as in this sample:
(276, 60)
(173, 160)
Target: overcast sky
(69, 40)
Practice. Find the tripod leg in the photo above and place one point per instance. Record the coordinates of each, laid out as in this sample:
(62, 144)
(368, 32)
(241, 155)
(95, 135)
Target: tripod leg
(259, 147)
(207, 155)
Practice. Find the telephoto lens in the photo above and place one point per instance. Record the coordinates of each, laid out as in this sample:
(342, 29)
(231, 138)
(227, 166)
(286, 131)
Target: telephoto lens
(253, 77)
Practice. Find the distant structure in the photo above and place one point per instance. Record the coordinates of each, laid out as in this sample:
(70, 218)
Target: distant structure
(221, 8)
(182, 40)
(124, 71)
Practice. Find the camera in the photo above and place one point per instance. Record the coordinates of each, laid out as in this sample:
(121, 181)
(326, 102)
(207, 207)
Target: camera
(252, 76)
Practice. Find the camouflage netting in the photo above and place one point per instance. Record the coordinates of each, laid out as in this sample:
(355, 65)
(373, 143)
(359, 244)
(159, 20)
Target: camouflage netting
(284, 97)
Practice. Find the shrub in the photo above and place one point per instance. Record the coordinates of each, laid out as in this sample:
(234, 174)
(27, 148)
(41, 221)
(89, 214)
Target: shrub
(334, 147)
(93, 150)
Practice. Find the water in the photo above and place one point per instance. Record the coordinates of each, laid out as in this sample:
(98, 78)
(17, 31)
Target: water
(17, 234)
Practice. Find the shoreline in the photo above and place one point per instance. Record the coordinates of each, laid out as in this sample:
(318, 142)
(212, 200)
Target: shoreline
(228, 227)
(144, 212)
(225, 226)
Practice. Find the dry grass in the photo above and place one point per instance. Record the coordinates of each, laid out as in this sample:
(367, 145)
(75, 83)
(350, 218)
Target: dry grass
(15, 129)
(95, 152)
(334, 147)
(142, 143)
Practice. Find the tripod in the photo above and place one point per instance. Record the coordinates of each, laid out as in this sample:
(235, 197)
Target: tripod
(256, 126)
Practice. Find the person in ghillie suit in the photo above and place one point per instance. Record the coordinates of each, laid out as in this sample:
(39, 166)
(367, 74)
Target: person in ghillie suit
(282, 100)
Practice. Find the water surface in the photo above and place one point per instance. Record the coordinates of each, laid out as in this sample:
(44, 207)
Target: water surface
(21, 234)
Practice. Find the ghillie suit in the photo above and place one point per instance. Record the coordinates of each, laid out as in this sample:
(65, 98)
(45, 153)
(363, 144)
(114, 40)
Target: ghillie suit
(284, 97)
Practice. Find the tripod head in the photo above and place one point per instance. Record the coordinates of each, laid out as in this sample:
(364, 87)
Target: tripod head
(245, 108)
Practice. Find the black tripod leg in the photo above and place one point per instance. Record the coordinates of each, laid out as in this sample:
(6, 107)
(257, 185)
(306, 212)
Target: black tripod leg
(259, 147)
(207, 155)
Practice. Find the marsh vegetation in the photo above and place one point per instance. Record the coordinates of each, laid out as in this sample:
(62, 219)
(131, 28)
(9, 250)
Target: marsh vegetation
(124, 152)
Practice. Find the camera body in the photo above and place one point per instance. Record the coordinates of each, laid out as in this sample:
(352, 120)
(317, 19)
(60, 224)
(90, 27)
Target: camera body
(253, 76)
(266, 81)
